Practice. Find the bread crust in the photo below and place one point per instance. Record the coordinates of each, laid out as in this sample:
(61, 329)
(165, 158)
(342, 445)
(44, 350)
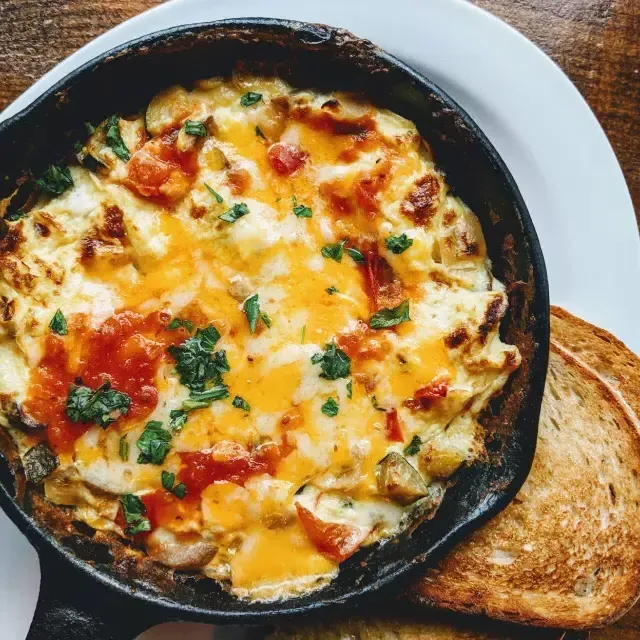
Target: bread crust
(566, 552)
(601, 351)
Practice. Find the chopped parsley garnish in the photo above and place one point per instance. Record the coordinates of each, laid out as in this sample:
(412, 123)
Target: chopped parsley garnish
(251, 307)
(58, 323)
(334, 362)
(376, 406)
(195, 128)
(77, 147)
(113, 138)
(236, 212)
(55, 180)
(301, 210)
(89, 127)
(334, 251)
(398, 244)
(215, 194)
(250, 98)
(134, 514)
(259, 133)
(331, 290)
(202, 399)
(177, 419)
(413, 447)
(330, 408)
(355, 255)
(102, 406)
(386, 318)
(168, 482)
(241, 403)
(196, 362)
(350, 389)
(16, 215)
(154, 443)
(176, 323)
(123, 448)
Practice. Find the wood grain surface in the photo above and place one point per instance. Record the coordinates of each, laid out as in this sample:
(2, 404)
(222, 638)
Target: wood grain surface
(596, 42)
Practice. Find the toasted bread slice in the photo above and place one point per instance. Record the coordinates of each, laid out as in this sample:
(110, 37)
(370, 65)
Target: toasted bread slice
(601, 351)
(566, 552)
(403, 629)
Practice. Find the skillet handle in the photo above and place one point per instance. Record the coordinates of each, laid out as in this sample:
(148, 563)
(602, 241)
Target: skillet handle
(71, 606)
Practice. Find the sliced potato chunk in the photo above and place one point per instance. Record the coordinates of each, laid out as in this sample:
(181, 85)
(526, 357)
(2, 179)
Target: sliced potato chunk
(398, 480)
(167, 110)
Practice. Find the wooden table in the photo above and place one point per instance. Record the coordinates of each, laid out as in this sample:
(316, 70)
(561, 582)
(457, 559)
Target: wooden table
(596, 42)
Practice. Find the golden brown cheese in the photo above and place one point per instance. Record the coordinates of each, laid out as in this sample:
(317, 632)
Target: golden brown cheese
(348, 396)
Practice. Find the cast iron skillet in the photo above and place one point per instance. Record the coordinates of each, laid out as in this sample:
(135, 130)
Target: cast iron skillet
(90, 590)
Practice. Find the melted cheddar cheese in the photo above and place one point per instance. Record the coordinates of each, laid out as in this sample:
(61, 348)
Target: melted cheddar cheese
(297, 254)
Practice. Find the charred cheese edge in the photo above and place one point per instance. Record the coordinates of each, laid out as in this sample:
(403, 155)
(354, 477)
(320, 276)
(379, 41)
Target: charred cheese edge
(139, 241)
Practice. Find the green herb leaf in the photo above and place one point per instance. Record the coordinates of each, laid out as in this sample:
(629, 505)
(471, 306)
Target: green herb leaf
(300, 210)
(215, 194)
(77, 147)
(330, 408)
(251, 307)
(355, 255)
(55, 180)
(102, 406)
(14, 216)
(259, 133)
(195, 128)
(350, 389)
(334, 251)
(236, 212)
(176, 323)
(113, 138)
(134, 512)
(376, 406)
(334, 362)
(196, 363)
(241, 403)
(250, 98)
(202, 399)
(58, 323)
(413, 447)
(331, 290)
(177, 419)
(398, 244)
(168, 479)
(386, 318)
(89, 127)
(154, 443)
(123, 448)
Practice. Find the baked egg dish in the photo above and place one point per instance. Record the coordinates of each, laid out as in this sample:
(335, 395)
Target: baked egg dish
(250, 330)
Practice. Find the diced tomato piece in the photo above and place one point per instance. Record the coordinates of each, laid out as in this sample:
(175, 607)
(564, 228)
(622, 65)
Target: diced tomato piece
(393, 431)
(383, 286)
(163, 508)
(336, 541)
(126, 350)
(363, 343)
(285, 158)
(425, 397)
(160, 170)
(228, 462)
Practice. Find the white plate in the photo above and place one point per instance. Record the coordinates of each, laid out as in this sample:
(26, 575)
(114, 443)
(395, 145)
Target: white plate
(537, 120)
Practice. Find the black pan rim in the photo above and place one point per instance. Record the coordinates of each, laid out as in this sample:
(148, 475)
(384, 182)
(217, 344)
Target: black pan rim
(45, 543)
